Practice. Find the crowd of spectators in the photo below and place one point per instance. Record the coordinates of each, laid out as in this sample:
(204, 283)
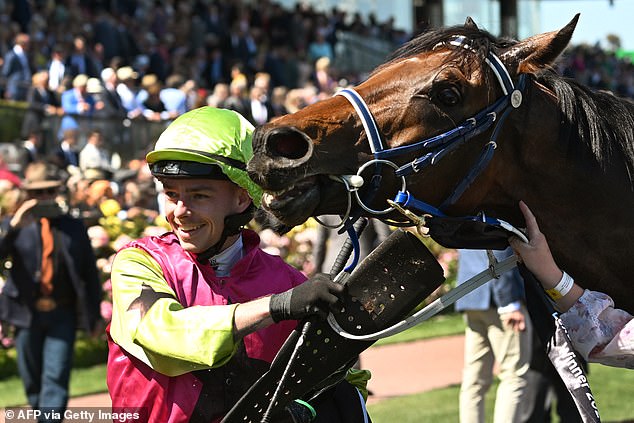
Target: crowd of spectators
(156, 59)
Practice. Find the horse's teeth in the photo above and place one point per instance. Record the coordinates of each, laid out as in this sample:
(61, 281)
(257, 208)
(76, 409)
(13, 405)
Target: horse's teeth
(267, 198)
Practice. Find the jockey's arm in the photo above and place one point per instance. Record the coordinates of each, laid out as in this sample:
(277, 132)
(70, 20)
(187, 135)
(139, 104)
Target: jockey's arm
(149, 322)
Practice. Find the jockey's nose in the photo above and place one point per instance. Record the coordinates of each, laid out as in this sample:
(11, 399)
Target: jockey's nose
(181, 209)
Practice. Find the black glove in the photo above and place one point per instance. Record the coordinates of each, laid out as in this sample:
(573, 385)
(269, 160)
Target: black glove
(315, 296)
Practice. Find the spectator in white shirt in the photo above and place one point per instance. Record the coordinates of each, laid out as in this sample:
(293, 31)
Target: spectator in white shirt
(94, 155)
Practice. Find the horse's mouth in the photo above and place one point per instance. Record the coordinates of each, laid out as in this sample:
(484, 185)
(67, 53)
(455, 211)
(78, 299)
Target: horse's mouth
(294, 205)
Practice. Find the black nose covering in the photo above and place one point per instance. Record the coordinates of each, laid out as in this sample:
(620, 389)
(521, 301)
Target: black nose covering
(384, 289)
(392, 280)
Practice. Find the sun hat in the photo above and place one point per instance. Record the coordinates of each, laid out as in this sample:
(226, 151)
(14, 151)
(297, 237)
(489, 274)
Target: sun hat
(41, 175)
(93, 86)
(126, 73)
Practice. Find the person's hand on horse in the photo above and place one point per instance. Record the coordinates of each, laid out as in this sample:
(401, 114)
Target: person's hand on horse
(536, 253)
(317, 295)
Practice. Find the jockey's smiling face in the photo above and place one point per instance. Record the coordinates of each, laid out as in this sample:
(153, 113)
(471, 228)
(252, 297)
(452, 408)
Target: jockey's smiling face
(196, 209)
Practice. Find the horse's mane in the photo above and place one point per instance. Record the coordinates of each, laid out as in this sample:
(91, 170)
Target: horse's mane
(597, 125)
(595, 120)
(479, 40)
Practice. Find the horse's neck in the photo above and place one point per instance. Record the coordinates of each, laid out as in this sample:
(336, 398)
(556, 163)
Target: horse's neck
(586, 215)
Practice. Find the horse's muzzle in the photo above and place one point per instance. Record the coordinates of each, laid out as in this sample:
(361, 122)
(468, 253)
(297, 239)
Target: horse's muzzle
(276, 152)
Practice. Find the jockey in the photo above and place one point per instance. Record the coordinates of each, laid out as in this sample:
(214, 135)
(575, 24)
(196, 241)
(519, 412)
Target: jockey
(200, 312)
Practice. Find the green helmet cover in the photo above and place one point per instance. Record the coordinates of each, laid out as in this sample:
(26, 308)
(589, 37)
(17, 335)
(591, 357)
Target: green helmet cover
(200, 134)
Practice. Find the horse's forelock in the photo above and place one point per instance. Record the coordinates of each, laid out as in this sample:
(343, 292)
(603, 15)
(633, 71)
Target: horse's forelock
(480, 41)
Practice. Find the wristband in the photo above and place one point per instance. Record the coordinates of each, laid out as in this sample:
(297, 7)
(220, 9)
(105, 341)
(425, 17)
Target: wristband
(563, 287)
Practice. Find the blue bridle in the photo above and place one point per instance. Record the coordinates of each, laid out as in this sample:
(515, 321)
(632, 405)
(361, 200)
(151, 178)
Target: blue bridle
(437, 147)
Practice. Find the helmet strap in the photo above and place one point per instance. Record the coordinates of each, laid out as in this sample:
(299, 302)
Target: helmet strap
(233, 226)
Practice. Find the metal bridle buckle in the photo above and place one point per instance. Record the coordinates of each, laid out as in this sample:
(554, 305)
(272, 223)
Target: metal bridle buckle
(418, 221)
(356, 193)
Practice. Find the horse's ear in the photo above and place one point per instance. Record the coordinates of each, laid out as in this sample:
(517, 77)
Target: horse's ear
(539, 51)
(470, 23)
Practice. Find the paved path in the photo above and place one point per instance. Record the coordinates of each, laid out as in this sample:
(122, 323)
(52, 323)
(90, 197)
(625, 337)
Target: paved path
(398, 369)
(412, 367)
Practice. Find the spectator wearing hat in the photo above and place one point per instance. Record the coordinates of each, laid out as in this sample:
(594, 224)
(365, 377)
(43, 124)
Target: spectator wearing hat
(153, 108)
(51, 289)
(128, 91)
(173, 97)
(146, 82)
(149, 98)
(78, 101)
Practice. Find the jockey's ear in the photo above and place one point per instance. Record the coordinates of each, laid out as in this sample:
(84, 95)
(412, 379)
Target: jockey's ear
(539, 51)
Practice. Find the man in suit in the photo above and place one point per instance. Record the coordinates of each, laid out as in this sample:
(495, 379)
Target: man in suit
(42, 103)
(32, 146)
(113, 107)
(498, 330)
(260, 109)
(52, 288)
(80, 61)
(16, 70)
(78, 101)
(66, 153)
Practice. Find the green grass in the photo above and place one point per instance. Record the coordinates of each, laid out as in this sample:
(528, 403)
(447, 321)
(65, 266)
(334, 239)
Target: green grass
(613, 389)
(83, 381)
(441, 325)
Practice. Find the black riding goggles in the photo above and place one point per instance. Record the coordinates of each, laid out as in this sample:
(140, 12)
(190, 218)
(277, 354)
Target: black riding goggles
(184, 169)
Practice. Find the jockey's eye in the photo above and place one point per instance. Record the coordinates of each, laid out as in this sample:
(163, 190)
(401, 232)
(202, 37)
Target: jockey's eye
(448, 96)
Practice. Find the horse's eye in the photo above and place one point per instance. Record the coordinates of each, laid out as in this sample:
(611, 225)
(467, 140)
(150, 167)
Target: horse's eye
(449, 96)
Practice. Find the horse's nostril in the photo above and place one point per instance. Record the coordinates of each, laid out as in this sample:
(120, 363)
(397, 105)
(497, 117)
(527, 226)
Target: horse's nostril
(290, 144)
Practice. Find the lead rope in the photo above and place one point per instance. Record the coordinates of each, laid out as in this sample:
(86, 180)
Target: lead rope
(494, 270)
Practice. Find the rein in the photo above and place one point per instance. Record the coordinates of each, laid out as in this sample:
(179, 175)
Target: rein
(437, 147)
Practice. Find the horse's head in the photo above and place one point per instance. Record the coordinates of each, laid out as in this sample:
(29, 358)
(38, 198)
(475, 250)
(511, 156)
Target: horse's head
(432, 87)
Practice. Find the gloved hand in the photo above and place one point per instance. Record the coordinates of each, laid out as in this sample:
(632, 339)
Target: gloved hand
(315, 296)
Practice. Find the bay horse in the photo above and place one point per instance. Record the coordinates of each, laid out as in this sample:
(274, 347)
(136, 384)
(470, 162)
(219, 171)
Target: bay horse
(566, 150)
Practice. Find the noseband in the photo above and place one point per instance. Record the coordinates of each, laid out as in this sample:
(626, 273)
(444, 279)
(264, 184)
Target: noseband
(437, 147)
